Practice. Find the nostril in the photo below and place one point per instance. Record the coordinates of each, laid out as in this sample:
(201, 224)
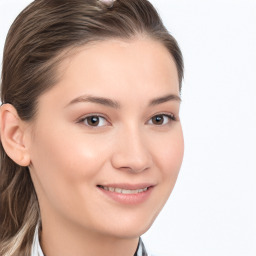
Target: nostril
(134, 169)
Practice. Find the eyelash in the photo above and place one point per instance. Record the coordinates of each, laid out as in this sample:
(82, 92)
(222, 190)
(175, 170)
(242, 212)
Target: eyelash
(83, 119)
(170, 117)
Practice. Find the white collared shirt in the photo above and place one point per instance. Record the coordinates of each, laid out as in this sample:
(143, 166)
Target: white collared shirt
(36, 249)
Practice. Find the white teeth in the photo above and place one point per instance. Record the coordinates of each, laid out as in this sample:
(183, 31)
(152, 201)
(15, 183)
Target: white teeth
(111, 189)
(125, 191)
(118, 190)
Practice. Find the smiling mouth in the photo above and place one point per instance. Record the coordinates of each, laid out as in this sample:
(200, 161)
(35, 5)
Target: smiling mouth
(124, 191)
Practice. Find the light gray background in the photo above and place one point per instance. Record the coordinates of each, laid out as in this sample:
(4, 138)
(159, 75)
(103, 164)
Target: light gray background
(212, 210)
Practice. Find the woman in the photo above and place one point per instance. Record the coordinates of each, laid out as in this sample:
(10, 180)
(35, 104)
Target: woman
(91, 141)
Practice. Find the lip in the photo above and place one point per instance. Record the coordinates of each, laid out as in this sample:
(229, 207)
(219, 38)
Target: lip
(127, 198)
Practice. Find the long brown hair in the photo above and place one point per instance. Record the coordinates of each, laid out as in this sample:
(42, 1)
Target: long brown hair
(34, 46)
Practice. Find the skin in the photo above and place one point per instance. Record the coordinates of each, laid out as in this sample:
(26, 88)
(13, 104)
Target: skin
(68, 157)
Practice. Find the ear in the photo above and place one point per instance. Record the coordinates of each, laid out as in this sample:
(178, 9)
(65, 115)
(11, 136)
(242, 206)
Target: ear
(12, 130)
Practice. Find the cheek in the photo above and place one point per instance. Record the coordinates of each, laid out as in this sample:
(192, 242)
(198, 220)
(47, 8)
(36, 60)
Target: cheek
(170, 156)
(66, 152)
(65, 169)
(63, 162)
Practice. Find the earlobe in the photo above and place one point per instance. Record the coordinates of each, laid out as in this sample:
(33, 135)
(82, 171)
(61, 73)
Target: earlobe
(12, 135)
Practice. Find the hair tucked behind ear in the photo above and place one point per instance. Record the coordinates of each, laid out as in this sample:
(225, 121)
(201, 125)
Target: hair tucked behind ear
(35, 44)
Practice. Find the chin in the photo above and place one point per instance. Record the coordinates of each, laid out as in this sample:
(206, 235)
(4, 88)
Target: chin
(129, 228)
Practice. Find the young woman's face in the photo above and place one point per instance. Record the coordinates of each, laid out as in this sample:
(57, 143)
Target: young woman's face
(107, 144)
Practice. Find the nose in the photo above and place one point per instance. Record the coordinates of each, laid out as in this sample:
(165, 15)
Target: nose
(131, 152)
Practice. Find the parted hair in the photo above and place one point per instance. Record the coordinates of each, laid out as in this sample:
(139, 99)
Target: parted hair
(37, 41)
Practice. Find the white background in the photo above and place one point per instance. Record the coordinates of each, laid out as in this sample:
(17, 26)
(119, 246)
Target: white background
(212, 210)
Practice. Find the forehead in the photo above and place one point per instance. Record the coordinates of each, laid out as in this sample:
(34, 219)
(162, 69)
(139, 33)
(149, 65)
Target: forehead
(135, 66)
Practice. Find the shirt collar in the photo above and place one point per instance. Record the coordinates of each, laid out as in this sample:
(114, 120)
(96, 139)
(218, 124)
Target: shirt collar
(36, 248)
(141, 250)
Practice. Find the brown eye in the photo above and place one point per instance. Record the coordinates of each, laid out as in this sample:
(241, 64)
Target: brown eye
(161, 119)
(158, 120)
(94, 121)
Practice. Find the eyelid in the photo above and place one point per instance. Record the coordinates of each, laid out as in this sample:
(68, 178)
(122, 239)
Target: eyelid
(83, 118)
(172, 118)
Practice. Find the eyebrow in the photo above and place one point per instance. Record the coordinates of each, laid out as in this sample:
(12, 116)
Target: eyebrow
(115, 104)
(160, 100)
(99, 100)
